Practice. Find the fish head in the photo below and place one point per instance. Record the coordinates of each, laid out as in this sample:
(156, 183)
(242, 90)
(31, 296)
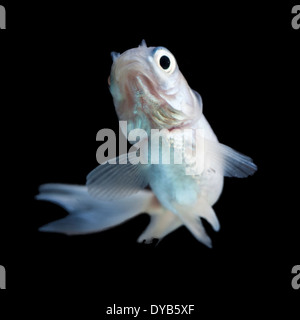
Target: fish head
(149, 91)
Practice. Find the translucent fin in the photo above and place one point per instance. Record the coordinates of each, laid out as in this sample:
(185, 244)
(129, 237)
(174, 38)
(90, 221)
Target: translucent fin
(88, 214)
(67, 196)
(207, 212)
(114, 181)
(114, 55)
(199, 99)
(143, 43)
(229, 161)
(160, 225)
(191, 219)
(194, 224)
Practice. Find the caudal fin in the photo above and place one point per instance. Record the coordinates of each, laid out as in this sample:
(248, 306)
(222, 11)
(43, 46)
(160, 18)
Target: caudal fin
(88, 214)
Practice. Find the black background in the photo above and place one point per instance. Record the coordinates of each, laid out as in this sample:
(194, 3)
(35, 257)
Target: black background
(244, 61)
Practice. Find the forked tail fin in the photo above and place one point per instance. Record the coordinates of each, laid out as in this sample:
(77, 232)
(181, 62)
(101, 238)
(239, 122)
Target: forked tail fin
(88, 214)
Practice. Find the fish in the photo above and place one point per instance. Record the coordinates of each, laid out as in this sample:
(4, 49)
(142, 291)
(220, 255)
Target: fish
(151, 94)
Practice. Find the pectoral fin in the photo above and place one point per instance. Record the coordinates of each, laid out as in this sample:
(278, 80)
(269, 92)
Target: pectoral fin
(227, 161)
(234, 164)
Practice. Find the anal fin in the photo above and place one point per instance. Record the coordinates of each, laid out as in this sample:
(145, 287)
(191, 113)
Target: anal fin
(191, 219)
(160, 225)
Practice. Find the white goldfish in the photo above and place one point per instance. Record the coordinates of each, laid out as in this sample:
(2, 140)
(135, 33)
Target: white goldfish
(149, 92)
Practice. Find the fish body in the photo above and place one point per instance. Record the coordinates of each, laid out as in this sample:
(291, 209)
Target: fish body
(151, 94)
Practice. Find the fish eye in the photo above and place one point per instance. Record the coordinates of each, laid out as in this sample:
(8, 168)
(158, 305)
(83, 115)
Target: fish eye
(165, 60)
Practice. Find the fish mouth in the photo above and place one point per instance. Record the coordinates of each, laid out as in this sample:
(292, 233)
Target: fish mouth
(134, 78)
(155, 107)
(141, 97)
(145, 92)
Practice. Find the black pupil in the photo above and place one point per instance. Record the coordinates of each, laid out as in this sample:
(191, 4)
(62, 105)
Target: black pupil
(164, 62)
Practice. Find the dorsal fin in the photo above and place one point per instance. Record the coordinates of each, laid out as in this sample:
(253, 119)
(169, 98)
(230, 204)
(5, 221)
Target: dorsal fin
(114, 55)
(143, 43)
